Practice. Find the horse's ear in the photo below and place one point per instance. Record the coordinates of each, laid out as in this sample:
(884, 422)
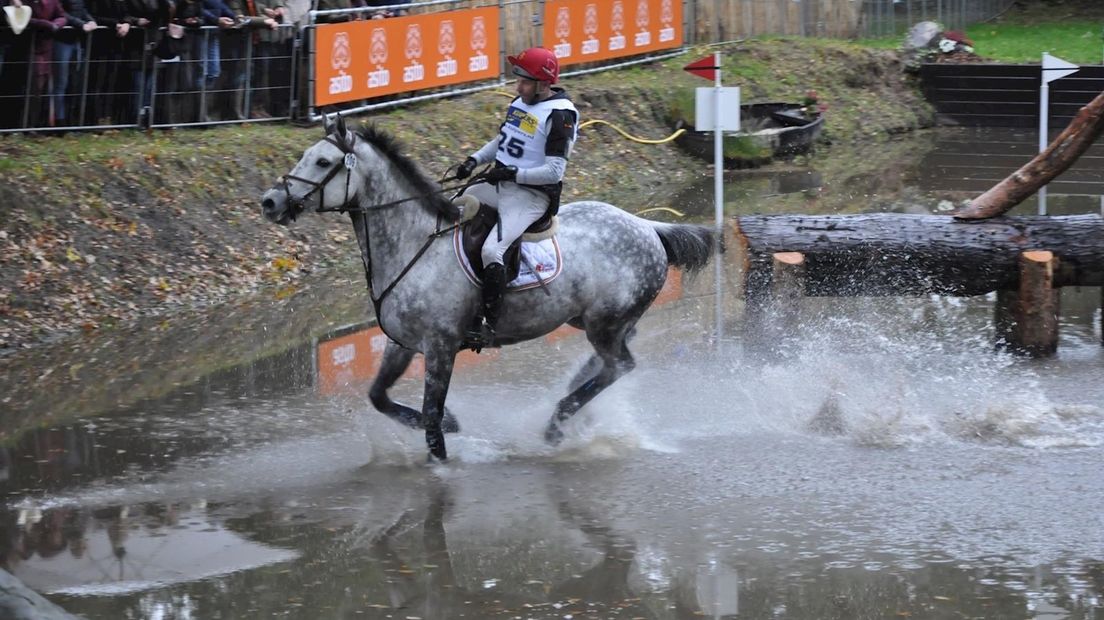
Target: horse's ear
(340, 129)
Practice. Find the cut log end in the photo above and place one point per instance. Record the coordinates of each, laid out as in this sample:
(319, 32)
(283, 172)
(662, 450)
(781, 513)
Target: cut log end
(789, 258)
(1038, 256)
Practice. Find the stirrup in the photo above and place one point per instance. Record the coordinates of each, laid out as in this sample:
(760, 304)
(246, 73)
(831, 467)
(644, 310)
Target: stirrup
(478, 338)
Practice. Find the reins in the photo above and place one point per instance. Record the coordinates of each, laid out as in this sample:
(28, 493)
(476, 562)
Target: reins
(349, 163)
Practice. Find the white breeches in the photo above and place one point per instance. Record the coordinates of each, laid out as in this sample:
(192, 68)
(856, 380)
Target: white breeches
(518, 207)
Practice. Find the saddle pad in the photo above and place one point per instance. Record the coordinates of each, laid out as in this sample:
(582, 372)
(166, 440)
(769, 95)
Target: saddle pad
(543, 255)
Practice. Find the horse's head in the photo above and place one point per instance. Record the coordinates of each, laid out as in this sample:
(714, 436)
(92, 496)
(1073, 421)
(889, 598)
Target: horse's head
(322, 179)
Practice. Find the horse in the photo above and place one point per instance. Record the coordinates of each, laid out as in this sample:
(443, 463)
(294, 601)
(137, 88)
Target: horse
(614, 264)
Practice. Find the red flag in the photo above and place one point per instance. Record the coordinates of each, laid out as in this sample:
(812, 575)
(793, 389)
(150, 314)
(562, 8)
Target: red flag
(706, 68)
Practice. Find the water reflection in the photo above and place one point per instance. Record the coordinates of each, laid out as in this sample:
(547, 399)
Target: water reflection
(406, 544)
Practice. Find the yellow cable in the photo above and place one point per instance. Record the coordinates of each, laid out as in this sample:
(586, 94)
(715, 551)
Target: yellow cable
(667, 209)
(677, 133)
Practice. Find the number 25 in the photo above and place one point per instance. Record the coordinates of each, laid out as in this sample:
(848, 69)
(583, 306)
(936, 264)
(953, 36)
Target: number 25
(513, 146)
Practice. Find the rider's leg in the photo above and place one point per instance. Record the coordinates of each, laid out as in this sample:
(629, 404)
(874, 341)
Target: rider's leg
(518, 208)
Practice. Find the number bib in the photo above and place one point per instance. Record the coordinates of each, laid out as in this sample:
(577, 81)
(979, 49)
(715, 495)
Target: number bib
(525, 133)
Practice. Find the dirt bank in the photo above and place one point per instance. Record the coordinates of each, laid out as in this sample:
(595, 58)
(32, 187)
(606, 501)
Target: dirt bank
(102, 229)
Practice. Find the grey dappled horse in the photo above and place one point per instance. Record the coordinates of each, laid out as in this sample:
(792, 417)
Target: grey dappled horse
(614, 266)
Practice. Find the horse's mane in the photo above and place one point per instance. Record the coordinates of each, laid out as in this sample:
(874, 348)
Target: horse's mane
(390, 147)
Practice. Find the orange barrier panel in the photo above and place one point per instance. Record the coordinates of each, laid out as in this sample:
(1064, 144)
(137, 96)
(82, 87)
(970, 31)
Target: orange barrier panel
(603, 29)
(672, 288)
(351, 360)
(365, 59)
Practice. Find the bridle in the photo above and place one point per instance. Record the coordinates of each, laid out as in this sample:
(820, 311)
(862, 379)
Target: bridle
(297, 205)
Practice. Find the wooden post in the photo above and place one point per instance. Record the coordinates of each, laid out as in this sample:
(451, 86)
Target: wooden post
(1029, 316)
(787, 289)
(772, 291)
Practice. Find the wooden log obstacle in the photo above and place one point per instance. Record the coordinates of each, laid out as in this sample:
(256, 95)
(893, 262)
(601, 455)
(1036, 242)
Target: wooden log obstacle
(1026, 260)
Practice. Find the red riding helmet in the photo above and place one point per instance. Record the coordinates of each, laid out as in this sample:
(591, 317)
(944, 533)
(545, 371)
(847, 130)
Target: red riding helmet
(536, 63)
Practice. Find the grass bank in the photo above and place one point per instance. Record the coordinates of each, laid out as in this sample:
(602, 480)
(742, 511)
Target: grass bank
(1072, 30)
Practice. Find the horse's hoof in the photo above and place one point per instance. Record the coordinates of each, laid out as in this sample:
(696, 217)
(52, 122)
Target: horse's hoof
(435, 441)
(433, 460)
(553, 436)
(449, 423)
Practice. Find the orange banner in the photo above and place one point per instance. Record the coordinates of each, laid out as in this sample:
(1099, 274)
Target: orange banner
(583, 31)
(347, 362)
(365, 59)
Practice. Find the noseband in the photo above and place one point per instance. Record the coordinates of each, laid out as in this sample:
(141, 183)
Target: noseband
(296, 204)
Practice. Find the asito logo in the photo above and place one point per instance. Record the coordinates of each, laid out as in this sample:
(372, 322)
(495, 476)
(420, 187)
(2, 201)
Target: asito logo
(413, 72)
(590, 28)
(644, 37)
(413, 42)
(377, 55)
(563, 31)
(446, 38)
(341, 54)
(617, 24)
(666, 16)
(478, 61)
(446, 46)
(377, 50)
(479, 34)
(340, 57)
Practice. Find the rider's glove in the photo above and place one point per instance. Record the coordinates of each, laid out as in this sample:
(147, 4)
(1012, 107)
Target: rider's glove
(502, 173)
(464, 170)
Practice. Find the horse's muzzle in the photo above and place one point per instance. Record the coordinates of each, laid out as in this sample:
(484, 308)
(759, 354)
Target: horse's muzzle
(276, 206)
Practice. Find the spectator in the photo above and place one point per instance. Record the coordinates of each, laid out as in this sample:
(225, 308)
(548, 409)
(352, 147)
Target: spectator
(107, 57)
(215, 13)
(382, 13)
(239, 44)
(47, 18)
(14, 50)
(146, 18)
(67, 49)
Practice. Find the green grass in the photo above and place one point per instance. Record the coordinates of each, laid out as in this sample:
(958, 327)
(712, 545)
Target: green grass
(1079, 42)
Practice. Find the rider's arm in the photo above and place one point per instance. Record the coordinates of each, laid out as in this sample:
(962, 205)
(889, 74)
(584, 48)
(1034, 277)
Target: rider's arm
(486, 154)
(561, 132)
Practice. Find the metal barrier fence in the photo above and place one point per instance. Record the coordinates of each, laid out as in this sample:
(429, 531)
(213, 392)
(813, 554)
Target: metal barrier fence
(881, 18)
(99, 80)
(211, 75)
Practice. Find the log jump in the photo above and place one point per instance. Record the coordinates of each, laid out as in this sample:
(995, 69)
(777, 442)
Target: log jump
(1026, 260)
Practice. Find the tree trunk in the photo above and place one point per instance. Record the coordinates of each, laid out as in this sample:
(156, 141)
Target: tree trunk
(1074, 140)
(896, 254)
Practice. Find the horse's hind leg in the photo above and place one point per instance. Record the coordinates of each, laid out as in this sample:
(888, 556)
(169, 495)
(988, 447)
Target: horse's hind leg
(593, 365)
(616, 360)
(396, 360)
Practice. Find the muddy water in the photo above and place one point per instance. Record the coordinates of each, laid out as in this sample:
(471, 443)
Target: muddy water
(884, 462)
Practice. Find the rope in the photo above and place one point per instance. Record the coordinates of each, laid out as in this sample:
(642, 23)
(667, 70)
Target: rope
(675, 212)
(677, 133)
(627, 135)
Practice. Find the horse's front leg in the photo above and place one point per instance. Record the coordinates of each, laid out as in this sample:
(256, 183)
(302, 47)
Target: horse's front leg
(396, 359)
(439, 360)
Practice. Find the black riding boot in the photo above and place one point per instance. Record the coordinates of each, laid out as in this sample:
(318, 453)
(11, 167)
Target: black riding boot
(494, 287)
(482, 332)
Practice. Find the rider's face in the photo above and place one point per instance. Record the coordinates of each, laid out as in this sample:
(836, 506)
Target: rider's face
(530, 91)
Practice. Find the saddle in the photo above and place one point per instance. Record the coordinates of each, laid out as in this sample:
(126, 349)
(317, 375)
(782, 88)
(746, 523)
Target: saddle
(478, 221)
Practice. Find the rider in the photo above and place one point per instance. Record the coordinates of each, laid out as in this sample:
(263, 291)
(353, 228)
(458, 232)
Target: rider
(530, 155)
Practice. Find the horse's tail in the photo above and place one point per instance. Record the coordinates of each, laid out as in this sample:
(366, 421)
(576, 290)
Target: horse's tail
(688, 246)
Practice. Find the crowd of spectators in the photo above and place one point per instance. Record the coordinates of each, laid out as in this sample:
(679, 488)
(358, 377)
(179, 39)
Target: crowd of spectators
(103, 62)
